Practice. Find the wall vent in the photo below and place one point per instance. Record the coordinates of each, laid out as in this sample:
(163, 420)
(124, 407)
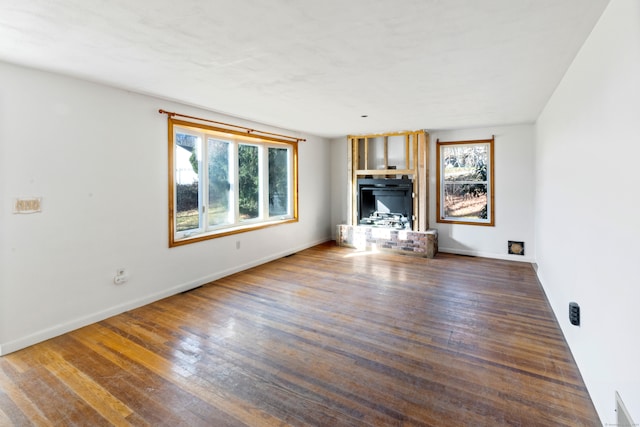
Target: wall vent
(515, 247)
(624, 419)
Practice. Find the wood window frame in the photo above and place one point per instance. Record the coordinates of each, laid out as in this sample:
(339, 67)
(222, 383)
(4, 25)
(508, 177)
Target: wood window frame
(440, 216)
(237, 137)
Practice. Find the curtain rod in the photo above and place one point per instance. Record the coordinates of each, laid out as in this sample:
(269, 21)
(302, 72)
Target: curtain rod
(248, 130)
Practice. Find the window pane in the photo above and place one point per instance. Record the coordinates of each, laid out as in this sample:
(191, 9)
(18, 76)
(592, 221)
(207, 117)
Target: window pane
(225, 184)
(187, 160)
(465, 162)
(464, 200)
(220, 211)
(464, 181)
(278, 181)
(248, 182)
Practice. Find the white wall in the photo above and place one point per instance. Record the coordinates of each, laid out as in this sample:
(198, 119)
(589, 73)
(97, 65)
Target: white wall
(514, 192)
(513, 156)
(98, 158)
(587, 165)
(340, 192)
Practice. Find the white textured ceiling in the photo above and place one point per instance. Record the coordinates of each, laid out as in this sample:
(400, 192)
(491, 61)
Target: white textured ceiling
(315, 66)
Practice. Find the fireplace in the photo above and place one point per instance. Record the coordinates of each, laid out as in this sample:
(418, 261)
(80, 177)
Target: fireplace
(385, 202)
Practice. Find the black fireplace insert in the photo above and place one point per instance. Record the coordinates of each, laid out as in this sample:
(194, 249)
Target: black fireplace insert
(385, 202)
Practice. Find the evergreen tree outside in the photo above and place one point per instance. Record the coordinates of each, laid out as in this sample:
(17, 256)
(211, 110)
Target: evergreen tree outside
(248, 181)
(220, 195)
(278, 181)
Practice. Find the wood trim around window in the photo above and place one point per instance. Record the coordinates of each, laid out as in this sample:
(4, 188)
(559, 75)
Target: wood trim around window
(491, 177)
(173, 242)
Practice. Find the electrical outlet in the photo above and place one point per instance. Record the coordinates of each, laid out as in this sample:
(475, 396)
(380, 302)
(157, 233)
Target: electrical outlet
(121, 276)
(574, 313)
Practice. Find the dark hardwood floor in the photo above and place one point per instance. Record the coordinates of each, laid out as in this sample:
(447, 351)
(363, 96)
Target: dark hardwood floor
(326, 337)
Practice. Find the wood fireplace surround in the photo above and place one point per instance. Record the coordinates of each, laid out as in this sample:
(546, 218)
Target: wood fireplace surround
(381, 168)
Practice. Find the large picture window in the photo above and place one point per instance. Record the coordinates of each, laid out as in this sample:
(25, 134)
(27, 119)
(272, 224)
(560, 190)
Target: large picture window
(223, 182)
(465, 192)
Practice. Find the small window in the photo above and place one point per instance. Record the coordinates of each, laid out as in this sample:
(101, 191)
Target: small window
(465, 182)
(223, 182)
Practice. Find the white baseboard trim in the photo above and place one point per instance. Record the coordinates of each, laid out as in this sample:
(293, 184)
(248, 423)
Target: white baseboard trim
(505, 257)
(63, 328)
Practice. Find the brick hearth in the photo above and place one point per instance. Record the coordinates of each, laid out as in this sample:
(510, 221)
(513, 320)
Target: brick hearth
(407, 242)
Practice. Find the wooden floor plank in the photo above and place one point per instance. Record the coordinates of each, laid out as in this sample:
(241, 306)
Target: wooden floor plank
(329, 336)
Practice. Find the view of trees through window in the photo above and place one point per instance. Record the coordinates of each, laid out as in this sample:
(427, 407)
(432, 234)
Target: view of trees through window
(219, 182)
(278, 182)
(248, 175)
(465, 181)
(187, 185)
(239, 182)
